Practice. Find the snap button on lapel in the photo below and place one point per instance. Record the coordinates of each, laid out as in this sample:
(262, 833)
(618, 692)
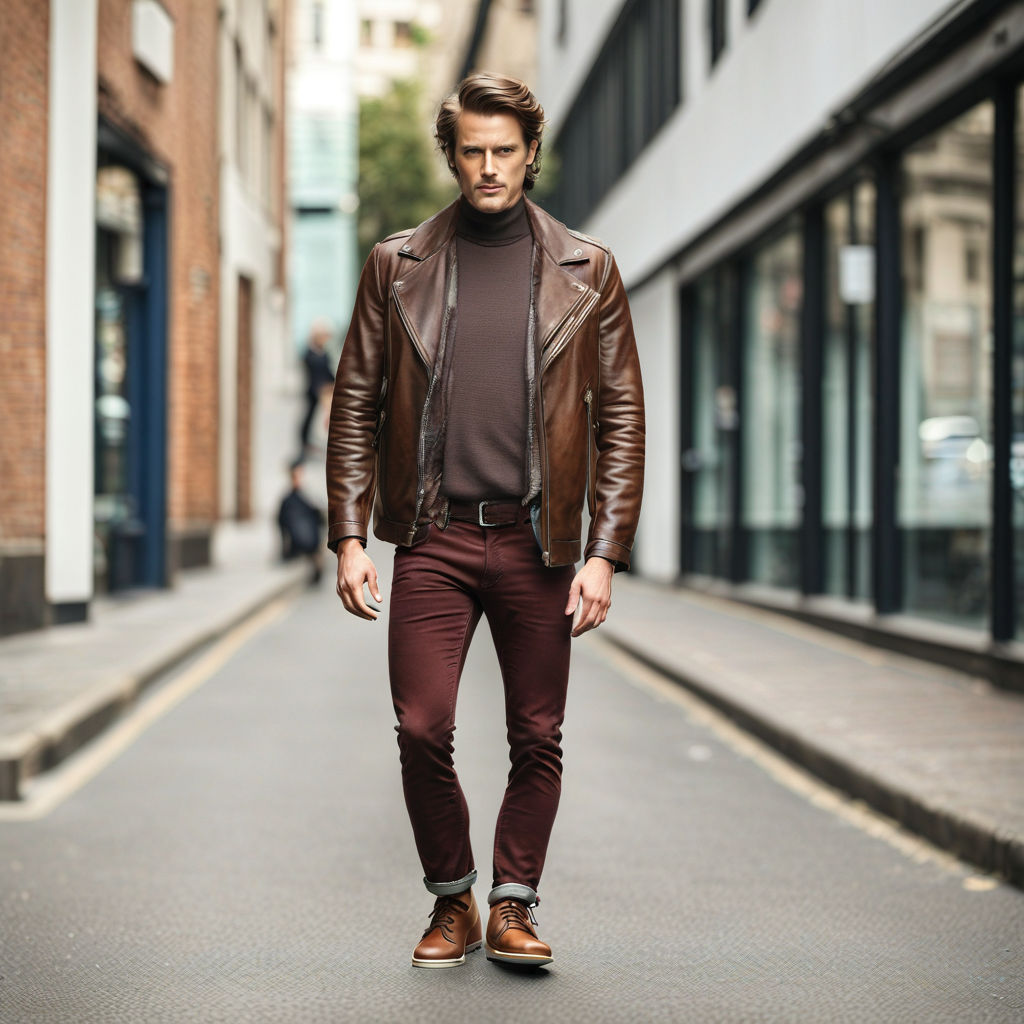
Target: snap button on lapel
(406, 247)
(577, 252)
(398, 284)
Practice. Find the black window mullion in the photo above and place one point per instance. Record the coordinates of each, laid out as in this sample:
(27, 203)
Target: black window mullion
(853, 341)
(737, 293)
(687, 411)
(886, 550)
(812, 324)
(1003, 596)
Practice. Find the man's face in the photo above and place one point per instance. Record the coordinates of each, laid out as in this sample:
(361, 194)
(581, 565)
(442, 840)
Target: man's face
(491, 157)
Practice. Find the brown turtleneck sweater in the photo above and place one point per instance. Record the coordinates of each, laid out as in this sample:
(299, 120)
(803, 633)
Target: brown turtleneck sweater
(485, 451)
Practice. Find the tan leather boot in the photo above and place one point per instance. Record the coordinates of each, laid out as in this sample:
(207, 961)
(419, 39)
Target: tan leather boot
(511, 938)
(453, 932)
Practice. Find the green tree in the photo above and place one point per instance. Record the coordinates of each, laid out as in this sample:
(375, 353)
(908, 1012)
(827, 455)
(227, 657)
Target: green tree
(398, 181)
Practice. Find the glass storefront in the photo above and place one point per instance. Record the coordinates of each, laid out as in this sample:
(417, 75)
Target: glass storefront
(945, 480)
(714, 423)
(771, 410)
(846, 392)
(907, 378)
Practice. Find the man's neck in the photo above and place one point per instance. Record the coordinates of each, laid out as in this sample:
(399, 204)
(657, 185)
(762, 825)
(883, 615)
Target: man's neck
(508, 225)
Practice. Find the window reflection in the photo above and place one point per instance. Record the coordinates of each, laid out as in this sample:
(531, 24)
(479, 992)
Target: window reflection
(847, 391)
(771, 411)
(945, 480)
(714, 423)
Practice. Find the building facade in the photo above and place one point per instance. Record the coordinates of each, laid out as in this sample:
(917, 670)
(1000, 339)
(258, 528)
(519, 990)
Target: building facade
(324, 165)
(253, 334)
(110, 252)
(817, 209)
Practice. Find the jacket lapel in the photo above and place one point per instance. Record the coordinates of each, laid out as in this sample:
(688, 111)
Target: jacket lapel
(423, 281)
(558, 295)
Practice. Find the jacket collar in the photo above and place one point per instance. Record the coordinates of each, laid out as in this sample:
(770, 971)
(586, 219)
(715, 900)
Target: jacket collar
(424, 281)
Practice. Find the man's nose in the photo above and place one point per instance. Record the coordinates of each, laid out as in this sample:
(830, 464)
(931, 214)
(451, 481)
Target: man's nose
(488, 168)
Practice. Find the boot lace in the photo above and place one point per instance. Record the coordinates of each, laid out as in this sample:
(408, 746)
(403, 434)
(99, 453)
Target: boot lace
(443, 915)
(517, 915)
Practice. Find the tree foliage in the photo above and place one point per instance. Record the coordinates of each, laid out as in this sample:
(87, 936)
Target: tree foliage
(398, 180)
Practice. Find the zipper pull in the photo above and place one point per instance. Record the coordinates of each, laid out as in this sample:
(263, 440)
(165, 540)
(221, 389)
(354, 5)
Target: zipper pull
(588, 396)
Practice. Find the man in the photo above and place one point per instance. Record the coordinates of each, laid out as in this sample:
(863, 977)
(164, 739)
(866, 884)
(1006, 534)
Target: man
(488, 384)
(319, 378)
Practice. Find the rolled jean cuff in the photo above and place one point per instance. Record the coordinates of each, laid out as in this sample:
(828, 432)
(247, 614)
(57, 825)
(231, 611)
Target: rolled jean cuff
(513, 891)
(451, 888)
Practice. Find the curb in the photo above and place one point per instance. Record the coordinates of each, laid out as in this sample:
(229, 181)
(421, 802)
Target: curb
(979, 842)
(64, 731)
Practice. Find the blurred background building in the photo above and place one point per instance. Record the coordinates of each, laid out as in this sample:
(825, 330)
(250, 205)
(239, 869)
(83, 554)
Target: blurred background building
(816, 208)
(141, 248)
(323, 164)
(254, 348)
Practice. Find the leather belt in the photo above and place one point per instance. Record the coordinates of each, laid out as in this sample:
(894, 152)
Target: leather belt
(486, 513)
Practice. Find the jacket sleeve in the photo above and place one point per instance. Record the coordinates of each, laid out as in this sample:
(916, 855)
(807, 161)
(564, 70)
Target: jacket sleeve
(620, 430)
(351, 459)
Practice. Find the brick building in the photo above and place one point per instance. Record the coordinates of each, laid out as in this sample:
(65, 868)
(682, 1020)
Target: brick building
(111, 278)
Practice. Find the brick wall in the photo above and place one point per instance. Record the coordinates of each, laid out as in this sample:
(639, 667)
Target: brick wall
(24, 48)
(177, 123)
(24, 97)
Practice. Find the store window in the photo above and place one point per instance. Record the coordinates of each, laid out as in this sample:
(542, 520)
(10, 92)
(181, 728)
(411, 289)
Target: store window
(771, 411)
(847, 392)
(945, 479)
(712, 398)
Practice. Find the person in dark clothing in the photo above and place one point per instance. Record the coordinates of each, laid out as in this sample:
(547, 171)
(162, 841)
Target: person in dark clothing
(319, 378)
(301, 525)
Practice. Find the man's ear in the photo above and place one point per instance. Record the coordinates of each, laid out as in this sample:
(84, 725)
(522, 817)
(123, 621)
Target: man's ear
(534, 145)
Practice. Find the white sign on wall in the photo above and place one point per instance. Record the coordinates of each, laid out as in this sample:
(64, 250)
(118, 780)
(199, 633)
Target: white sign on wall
(153, 39)
(857, 274)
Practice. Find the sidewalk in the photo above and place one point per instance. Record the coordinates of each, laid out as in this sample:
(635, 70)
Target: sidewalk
(940, 752)
(59, 687)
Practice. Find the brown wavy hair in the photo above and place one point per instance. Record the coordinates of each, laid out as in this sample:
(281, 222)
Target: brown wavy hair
(484, 92)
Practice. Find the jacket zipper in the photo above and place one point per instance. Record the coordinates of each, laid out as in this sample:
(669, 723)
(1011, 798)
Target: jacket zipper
(588, 399)
(421, 458)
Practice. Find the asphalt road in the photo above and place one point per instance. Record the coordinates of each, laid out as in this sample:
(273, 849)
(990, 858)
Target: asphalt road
(247, 857)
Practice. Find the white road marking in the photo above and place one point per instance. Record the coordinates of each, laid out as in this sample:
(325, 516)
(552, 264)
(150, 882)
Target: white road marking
(48, 791)
(796, 779)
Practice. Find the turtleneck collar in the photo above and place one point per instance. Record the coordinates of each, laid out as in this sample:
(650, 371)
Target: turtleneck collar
(500, 228)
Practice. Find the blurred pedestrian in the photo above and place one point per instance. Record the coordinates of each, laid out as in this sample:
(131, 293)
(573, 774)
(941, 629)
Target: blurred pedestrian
(319, 377)
(301, 524)
(488, 383)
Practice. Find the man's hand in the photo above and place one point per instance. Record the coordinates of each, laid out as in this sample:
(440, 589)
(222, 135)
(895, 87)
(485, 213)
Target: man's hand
(593, 586)
(356, 568)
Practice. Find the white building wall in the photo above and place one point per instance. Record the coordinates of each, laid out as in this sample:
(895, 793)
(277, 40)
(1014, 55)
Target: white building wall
(784, 73)
(656, 325)
(70, 301)
(562, 67)
(250, 240)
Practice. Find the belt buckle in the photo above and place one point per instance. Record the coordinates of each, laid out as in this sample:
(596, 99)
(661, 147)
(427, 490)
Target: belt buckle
(480, 514)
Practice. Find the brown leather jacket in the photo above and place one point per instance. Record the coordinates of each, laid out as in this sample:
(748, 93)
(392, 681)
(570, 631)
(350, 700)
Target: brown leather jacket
(387, 417)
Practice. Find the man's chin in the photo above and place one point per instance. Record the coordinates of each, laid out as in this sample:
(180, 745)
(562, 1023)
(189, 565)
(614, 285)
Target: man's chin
(490, 202)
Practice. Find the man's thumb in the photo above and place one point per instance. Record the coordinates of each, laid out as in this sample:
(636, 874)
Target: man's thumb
(574, 598)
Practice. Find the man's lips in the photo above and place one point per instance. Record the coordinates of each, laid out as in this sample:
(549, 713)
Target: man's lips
(490, 188)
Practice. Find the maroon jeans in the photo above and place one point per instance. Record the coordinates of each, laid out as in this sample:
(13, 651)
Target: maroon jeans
(439, 590)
